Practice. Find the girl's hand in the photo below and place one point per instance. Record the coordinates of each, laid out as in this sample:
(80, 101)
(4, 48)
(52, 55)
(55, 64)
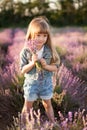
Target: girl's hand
(34, 58)
(46, 66)
(43, 62)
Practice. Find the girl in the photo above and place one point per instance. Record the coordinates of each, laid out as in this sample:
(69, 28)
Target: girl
(34, 86)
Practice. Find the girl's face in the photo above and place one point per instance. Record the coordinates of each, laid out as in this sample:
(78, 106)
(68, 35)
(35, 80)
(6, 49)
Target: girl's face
(41, 39)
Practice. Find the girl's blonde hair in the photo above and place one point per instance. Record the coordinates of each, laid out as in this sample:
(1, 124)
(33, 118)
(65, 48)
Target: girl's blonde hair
(40, 25)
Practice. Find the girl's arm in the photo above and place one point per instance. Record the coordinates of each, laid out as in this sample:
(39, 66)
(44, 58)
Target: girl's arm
(26, 68)
(51, 67)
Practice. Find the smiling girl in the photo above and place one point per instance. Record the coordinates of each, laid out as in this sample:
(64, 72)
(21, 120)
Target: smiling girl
(34, 86)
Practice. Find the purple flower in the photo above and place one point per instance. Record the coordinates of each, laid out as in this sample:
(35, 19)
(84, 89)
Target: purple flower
(32, 45)
(70, 116)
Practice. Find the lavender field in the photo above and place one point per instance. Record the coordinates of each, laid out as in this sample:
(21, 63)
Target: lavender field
(71, 44)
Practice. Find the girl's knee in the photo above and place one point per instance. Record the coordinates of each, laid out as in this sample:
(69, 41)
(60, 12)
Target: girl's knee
(47, 104)
(27, 106)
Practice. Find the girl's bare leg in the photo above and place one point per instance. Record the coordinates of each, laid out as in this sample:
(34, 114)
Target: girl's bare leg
(26, 109)
(49, 109)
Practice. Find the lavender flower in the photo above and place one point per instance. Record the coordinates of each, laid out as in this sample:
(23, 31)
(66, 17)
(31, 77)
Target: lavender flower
(70, 116)
(65, 124)
(32, 45)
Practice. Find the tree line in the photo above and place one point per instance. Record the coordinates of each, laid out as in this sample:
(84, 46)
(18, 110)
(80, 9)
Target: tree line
(65, 12)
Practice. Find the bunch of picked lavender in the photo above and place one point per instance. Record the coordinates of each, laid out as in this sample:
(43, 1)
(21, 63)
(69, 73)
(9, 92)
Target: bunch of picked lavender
(32, 45)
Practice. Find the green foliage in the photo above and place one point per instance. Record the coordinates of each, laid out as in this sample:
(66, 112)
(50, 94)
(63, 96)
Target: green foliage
(19, 14)
(3, 52)
(58, 89)
(81, 58)
(69, 104)
(83, 74)
(17, 84)
(17, 102)
(16, 89)
(62, 51)
(62, 101)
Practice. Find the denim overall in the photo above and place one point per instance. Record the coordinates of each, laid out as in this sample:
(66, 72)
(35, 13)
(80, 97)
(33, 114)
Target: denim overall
(37, 84)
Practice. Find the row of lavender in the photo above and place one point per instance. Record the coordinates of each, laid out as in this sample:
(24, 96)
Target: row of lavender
(72, 47)
(71, 76)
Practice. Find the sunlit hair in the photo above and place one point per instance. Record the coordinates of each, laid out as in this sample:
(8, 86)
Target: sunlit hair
(40, 25)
